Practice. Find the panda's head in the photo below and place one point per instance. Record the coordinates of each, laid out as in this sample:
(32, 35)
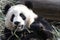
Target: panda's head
(19, 16)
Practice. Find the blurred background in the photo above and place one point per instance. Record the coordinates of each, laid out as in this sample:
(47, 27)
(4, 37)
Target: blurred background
(49, 9)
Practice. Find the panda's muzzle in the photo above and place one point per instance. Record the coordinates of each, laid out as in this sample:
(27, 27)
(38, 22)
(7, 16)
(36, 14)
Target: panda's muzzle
(18, 26)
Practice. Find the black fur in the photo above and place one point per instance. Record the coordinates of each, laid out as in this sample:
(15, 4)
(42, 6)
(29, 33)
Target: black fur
(44, 32)
(45, 23)
(29, 4)
(12, 17)
(7, 34)
(23, 17)
(6, 8)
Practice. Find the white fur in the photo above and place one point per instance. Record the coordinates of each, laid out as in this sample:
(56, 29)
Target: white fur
(16, 10)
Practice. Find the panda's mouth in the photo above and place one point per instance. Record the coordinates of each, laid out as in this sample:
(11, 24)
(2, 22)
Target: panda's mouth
(20, 27)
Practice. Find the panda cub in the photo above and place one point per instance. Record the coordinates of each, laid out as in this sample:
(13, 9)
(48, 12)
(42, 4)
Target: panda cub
(22, 23)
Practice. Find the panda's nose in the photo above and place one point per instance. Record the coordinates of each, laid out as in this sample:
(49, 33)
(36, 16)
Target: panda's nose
(16, 23)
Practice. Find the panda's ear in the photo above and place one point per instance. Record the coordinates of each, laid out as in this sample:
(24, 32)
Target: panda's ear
(6, 8)
(29, 4)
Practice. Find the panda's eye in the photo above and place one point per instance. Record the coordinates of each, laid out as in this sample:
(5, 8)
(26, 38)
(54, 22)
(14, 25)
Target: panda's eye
(12, 17)
(23, 17)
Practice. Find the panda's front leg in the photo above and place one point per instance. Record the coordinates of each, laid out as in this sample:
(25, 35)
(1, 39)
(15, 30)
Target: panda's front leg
(7, 34)
(41, 32)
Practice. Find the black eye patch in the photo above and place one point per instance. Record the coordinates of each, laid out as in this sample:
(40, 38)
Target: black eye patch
(23, 17)
(12, 17)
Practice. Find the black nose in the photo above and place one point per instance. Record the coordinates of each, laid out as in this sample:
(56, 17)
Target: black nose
(16, 23)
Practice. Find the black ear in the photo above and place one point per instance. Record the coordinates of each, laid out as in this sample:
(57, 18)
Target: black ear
(29, 4)
(5, 10)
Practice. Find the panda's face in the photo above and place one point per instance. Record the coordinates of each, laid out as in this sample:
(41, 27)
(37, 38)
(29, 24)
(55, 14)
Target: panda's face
(19, 16)
(18, 20)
